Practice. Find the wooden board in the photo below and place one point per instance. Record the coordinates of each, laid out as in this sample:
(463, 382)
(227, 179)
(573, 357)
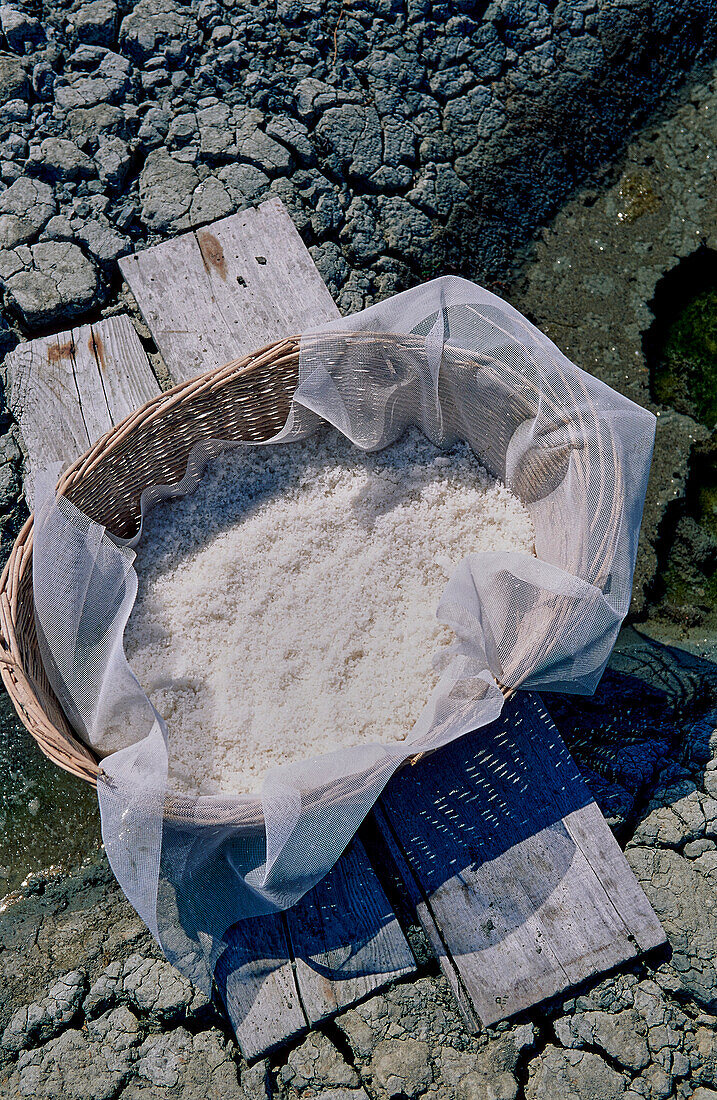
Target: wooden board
(257, 983)
(67, 390)
(282, 974)
(223, 291)
(516, 878)
(345, 938)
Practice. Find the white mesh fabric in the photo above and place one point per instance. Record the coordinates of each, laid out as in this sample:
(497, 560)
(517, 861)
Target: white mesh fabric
(459, 363)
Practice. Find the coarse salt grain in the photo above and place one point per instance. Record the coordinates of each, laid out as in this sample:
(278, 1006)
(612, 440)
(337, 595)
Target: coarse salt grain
(287, 607)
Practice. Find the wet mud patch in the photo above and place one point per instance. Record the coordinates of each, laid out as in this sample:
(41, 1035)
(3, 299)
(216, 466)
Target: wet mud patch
(681, 346)
(681, 354)
(48, 818)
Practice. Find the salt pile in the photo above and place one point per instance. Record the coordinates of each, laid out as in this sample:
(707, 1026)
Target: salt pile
(287, 607)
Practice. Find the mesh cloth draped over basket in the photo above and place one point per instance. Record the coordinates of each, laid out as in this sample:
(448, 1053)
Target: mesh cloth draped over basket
(457, 362)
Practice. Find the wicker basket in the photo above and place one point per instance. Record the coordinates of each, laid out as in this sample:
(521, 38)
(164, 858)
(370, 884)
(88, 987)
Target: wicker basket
(246, 399)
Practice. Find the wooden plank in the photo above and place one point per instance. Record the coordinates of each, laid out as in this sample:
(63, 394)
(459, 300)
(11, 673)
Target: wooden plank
(425, 915)
(66, 390)
(42, 395)
(280, 291)
(284, 973)
(250, 293)
(518, 882)
(169, 283)
(591, 833)
(123, 367)
(93, 403)
(227, 289)
(345, 938)
(258, 986)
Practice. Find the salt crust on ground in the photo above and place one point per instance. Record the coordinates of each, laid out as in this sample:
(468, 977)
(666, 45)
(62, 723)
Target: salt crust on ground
(287, 607)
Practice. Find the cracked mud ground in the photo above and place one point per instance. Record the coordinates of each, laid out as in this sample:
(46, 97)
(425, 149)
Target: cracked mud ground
(91, 1011)
(406, 140)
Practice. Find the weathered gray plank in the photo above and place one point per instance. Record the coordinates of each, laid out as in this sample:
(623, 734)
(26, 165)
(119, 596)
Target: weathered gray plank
(517, 880)
(42, 395)
(425, 915)
(123, 367)
(66, 390)
(258, 986)
(590, 832)
(266, 253)
(169, 283)
(345, 943)
(345, 938)
(227, 289)
(91, 393)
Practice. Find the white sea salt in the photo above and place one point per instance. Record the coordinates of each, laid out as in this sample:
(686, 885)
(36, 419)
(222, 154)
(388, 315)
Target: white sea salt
(287, 607)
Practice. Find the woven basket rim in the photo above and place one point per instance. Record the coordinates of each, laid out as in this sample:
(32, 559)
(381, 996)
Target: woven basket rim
(70, 752)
